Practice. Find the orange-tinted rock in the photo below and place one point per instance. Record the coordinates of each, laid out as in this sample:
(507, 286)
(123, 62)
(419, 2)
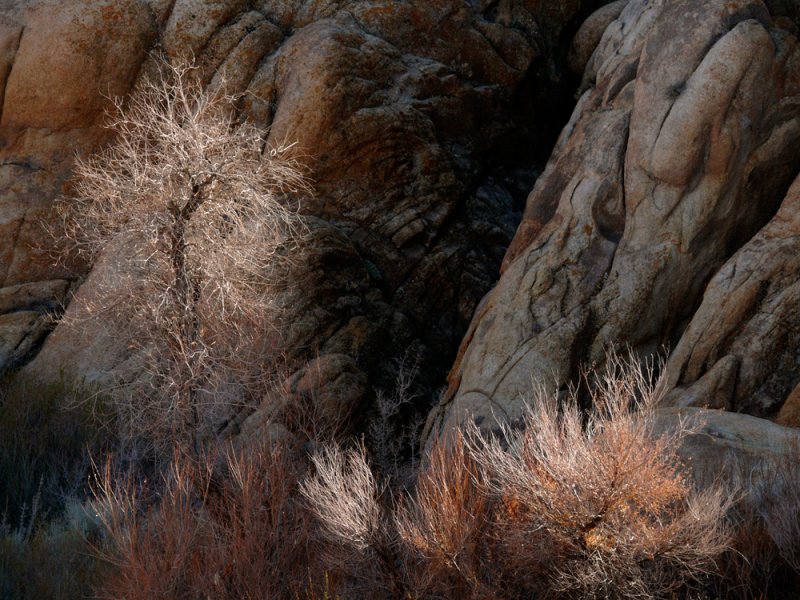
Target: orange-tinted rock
(406, 111)
(789, 414)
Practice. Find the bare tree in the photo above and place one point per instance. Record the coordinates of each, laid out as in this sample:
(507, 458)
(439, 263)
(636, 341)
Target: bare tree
(194, 204)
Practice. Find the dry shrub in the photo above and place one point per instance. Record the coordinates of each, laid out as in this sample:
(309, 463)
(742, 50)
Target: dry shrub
(231, 527)
(750, 568)
(597, 502)
(392, 437)
(446, 525)
(355, 535)
(779, 508)
(570, 505)
(346, 497)
(567, 505)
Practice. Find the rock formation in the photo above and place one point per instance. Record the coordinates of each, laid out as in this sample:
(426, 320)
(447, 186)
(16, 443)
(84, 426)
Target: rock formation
(665, 216)
(753, 454)
(661, 220)
(58, 63)
(422, 123)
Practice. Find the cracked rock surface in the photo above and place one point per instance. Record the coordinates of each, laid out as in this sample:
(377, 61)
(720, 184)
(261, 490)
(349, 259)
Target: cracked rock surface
(661, 220)
(419, 120)
(665, 216)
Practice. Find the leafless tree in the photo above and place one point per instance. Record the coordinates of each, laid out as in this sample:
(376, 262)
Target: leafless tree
(195, 205)
(387, 440)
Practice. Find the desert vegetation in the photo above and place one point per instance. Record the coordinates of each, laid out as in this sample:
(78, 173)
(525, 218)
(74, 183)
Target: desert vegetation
(562, 505)
(580, 498)
(45, 462)
(565, 505)
(195, 208)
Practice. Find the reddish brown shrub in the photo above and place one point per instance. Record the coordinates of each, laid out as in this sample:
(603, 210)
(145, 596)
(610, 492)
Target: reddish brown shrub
(446, 525)
(568, 505)
(231, 528)
(597, 504)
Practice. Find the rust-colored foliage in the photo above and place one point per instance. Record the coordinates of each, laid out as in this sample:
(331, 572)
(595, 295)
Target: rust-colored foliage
(596, 505)
(569, 505)
(230, 527)
(446, 523)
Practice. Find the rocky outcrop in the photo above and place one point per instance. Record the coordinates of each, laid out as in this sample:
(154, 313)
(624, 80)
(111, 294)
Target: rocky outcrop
(58, 64)
(681, 149)
(741, 350)
(26, 317)
(662, 217)
(419, 121)
(589, 35)
(752, 454)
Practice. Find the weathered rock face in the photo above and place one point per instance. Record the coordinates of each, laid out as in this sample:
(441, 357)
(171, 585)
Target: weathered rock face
(680, 150)
(590, 33)
(662, 216)
(741, 350)
(58, 64)
(24, 321)
(419, 120)
(733, 448)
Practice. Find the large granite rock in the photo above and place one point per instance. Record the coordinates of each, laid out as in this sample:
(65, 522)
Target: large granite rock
(420, 121)
(736, 450)
(662, 217)
(741, 350)
(681, 149)
(59, 63)
(27, 315)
